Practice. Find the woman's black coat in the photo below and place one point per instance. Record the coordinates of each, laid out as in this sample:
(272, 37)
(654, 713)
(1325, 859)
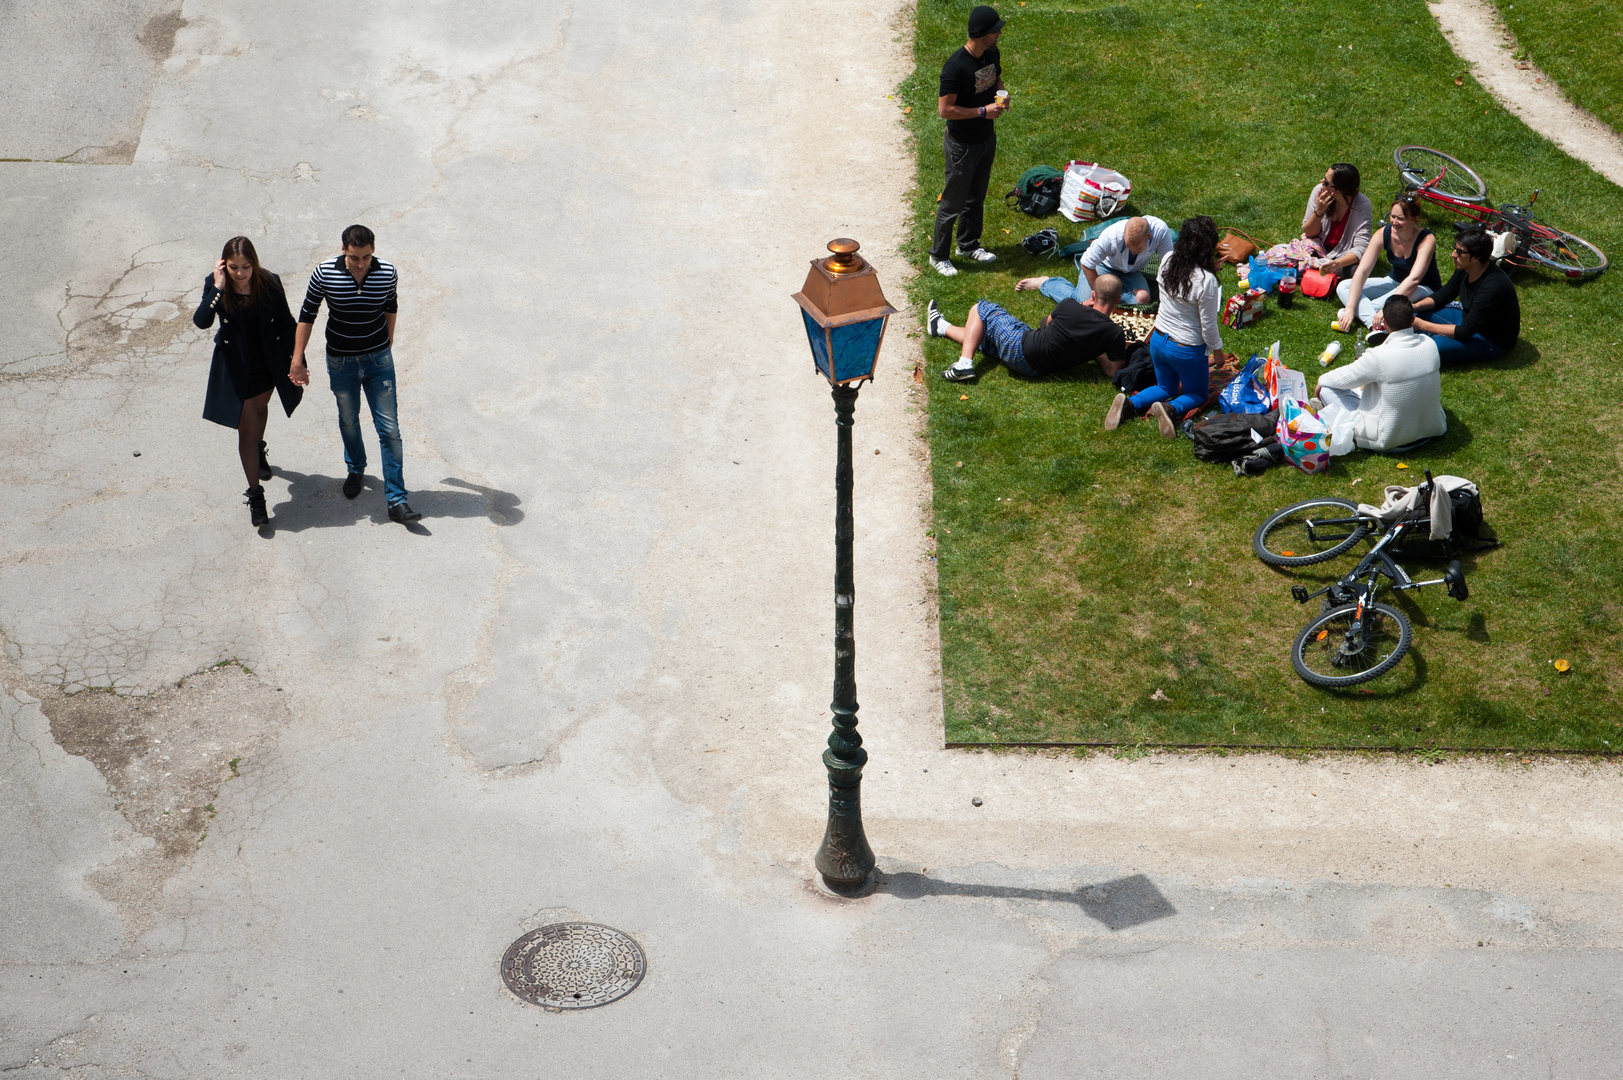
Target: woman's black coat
(228, 374)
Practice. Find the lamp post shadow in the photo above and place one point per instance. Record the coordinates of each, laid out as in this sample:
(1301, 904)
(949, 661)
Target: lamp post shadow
(1119, 904)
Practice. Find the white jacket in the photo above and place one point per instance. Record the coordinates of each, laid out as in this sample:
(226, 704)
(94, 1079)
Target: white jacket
(1402, 399)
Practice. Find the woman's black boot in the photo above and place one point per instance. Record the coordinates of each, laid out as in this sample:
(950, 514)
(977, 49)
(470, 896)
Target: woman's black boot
(256, 506)
(264, 462)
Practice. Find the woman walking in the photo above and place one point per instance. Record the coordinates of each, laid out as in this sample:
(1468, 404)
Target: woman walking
(1185, 332)
(252, 353)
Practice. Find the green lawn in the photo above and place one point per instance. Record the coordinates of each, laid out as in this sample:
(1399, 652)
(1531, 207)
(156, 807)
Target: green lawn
(1576, 43)
(1083, 570)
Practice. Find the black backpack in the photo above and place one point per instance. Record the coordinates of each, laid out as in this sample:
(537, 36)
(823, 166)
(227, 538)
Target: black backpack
(1466, 535)
(1037, 193)
(1139, 374)
(1225, 436)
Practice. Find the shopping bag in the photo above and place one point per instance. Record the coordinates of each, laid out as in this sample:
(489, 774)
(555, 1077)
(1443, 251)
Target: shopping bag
(1245, 393)
(1092, 192)
(1303, 436)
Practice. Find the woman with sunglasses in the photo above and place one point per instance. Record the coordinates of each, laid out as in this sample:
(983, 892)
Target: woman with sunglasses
(1488, 321)
(1338, 217)
(1411, 253)
(252, 354)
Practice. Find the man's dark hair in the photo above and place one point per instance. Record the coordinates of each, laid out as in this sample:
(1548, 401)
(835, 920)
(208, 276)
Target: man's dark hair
(359, 236)
(1476, 242)
(1398, 312)
(1345, 179)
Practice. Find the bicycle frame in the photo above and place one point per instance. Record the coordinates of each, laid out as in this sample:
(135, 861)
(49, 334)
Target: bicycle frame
(1378, 564)
(1510, 217)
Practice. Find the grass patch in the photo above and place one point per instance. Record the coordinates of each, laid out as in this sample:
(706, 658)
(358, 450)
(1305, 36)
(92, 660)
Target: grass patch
(1083, 570)
(1577, 44)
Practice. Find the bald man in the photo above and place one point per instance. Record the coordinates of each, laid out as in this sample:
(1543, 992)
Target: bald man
(1123, 250)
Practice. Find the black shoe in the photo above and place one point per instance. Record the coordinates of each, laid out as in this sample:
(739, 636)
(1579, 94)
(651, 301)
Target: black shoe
(1120, 409)
(256, 507)
(352, 484)
(264, 462)
(1374, 338)
(403, 513)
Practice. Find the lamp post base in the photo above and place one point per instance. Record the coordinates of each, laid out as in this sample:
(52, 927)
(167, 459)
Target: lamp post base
(841, 890)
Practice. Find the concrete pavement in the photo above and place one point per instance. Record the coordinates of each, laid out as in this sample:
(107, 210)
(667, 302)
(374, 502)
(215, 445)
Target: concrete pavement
(592, 683)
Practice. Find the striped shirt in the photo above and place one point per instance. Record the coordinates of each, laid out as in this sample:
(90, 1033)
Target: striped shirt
(355, 324)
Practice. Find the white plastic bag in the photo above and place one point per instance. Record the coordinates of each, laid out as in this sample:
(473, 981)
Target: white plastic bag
(1092, 192)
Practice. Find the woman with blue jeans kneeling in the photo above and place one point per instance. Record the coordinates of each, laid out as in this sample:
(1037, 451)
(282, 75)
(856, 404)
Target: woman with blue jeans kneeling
(1489, 319)
(1185, 332)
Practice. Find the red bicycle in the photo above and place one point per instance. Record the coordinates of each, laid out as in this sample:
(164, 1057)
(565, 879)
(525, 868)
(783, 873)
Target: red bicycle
(1526, 241)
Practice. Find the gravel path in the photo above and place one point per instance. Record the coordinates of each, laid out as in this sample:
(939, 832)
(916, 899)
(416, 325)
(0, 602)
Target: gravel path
(1481, 39)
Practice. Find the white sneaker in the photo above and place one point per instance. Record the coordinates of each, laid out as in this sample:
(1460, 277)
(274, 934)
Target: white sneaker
(980, 254)
(943, 267)
(933, 320)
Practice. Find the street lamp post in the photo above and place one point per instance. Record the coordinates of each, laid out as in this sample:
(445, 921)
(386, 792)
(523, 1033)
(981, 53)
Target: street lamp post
(845, 314)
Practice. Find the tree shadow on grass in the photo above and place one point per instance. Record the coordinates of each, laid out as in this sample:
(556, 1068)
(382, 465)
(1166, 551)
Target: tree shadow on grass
(1119, 904)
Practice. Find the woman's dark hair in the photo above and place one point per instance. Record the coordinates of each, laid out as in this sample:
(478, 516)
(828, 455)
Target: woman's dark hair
(259, 282)
(1345, 179)
(359, 236)
(1195, 250)
(1476, 242)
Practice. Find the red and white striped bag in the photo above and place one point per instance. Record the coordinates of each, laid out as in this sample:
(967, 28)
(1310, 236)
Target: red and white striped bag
(1092, 192)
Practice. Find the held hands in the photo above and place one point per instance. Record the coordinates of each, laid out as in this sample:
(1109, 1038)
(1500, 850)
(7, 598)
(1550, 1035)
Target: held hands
(219, 275)
(297, 373)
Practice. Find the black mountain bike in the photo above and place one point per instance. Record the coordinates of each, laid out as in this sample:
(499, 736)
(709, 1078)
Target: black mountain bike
(1354, 639)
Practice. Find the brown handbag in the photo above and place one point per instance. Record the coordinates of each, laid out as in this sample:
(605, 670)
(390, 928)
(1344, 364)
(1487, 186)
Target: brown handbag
(1236, 247)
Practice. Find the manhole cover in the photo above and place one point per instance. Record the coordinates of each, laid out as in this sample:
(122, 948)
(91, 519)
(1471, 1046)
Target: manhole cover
(573, 966)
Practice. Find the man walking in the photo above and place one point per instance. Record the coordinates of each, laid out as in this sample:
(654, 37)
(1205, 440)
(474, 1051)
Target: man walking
(360, 292)
(972, 98)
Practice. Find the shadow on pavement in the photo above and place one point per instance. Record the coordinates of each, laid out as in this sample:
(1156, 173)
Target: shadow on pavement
(315, 501)
(1119, 904)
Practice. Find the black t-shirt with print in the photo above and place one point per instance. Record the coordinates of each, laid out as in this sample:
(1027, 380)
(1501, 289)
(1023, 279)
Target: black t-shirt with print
(974, 80)
(1075, 334)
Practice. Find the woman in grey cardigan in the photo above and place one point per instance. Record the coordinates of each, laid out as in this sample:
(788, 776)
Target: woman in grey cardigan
(1339, 218)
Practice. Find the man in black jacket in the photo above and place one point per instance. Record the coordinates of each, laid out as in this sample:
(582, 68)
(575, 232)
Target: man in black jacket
(1489, 319)
(971, 80)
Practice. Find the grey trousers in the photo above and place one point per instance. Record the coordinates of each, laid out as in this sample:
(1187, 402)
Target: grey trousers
(969, 171)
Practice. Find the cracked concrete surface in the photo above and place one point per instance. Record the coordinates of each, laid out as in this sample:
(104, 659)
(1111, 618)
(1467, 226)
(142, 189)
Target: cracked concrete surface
(592, 683)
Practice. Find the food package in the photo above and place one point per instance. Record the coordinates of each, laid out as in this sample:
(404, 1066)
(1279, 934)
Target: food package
(1243, 308)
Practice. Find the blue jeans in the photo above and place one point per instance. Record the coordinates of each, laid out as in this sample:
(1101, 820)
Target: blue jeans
(1179, 369)
(1452, 350)
(1058, 288)
(373, 373)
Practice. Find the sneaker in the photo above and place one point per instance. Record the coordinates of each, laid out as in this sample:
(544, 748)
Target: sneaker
(1315, 404)
(980, 254)
(403, 513)
(352, 484)
(933, 320)
(1120, 409)
(1163, 420)
(960, 372)
(1375, 338)
(943, 267)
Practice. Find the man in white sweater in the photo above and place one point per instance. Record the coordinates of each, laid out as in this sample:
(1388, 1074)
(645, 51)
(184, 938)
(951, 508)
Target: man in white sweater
(1392, 395)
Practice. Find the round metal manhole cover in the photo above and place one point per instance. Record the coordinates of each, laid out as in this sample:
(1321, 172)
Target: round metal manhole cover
(573, 966)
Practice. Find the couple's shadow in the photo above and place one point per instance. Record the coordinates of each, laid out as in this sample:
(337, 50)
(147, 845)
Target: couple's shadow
(314, 501)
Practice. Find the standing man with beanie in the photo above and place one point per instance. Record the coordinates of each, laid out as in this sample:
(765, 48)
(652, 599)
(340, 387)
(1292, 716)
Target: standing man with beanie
(970, 81)
(360, 292)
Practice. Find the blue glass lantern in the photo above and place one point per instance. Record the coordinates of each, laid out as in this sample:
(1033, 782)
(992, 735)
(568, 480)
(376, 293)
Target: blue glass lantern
(845, 314)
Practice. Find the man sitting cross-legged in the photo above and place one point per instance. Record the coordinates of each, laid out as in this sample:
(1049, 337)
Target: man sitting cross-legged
(1123, 251)
(1393, 393)
(1073, 333)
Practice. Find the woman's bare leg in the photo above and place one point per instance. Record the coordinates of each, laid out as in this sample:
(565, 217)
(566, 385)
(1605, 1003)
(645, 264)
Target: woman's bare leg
(251, 429)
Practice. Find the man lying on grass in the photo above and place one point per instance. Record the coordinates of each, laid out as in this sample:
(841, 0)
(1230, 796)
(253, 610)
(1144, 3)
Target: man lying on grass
(1073, 333)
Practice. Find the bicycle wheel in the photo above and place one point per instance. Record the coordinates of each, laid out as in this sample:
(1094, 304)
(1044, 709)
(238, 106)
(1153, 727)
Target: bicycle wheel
(1419, 164)
(1295, 536)
(1571, 255)
(1325, 655)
